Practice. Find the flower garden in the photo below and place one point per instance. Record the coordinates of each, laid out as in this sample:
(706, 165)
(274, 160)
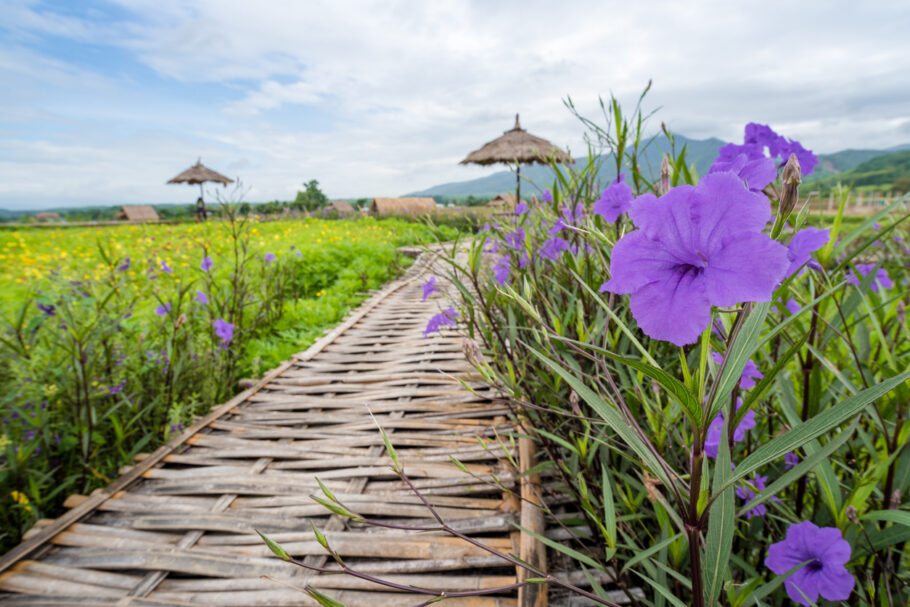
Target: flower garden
(113, 338)
(716, 380)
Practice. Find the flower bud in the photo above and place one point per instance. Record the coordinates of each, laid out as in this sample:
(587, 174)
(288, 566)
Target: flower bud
(180, 321)
(895, 503)
(901, 311)
(472, 351)
(851, 514)
(664, 176)
(792, 177)
(573, 401)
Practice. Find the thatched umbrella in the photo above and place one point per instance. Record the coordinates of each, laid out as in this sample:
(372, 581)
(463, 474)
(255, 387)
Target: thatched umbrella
(517, 146)
(199, 173)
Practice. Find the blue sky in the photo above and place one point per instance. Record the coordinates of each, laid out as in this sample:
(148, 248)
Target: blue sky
(104, 101)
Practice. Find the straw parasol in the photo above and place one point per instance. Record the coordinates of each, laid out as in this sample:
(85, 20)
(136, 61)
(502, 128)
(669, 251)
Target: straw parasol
(517, 145)
(199, 173)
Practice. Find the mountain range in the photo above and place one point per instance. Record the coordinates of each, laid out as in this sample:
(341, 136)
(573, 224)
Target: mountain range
(699, 152)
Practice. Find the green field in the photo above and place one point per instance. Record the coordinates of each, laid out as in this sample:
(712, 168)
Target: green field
(113, 338)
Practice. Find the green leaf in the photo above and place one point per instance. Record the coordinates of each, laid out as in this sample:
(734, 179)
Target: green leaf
(609, 521)
(640, 556)
(901, 517)
(758, 392)
(815, 427)
(274, 547)
(328, 493)
(325, 601)
(802, 468)
(736, 358)
(569, 552)
(336, 508)
(320, 538)
(670, 384)
(611, 416)
(721, 524)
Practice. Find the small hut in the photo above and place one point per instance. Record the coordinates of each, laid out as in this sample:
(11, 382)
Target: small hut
(340, 207)
(503, 202)
(138, 213)
(47, 217)
(402, 206)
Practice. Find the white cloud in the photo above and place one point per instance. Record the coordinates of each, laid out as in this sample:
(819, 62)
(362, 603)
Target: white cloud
(385, 97)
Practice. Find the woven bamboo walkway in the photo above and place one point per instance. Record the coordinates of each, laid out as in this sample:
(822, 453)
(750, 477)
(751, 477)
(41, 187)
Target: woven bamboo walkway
(178, 527)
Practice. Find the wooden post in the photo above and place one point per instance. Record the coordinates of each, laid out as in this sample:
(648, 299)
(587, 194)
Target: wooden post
(531, 550)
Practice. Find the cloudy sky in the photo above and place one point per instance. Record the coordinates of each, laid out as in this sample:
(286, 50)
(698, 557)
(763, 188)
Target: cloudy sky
(105, 101)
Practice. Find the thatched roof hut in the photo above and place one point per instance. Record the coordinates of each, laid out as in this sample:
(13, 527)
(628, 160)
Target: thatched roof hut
(398, 206)
(517, 145)
(199, 173)
(342, 207)
(503, 201)
(138, 213)
(47, 217)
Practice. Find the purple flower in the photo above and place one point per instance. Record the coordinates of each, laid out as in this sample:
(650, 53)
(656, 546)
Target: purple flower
(501, 270)
(790, 460)
(614, 201)
(118, 388)
(803, 243)
(165, 268)
(206, 264)
(224, 331)
(745, 492)
(163, 309)
(696, 247)
(443, 319)
(792, 306)
(48, 309)
(269, 258)
(176, 428)
(429, 287)
(125, 265)
(750, 372)
(547, 196)
(202, 297)
(826, 551)
(756, 172)
(758, 138)
(516, 239)
(876, 226)
(553, 247)
(881, 277)
(521, 208)
(716, 430)
(28, 434)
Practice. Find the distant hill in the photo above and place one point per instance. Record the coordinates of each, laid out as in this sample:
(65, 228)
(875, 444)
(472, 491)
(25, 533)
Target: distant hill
(879, 173)
(700, 152)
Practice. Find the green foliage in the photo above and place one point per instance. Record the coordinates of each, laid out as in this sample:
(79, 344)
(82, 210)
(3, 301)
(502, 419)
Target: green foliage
(311, 198)
(126, 354)
(621, 419)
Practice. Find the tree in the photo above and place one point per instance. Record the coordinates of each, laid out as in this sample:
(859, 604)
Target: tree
(312, 198)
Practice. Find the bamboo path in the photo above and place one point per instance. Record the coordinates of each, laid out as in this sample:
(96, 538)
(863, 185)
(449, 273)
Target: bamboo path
(178, 527)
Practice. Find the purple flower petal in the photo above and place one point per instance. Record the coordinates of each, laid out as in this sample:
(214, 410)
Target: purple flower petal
(826, 552)
(614, 201)
(803, 244)
(206, 264)
(429, 287)
(201, 297)
(696, 247)
(501, 270)
(673, 309)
